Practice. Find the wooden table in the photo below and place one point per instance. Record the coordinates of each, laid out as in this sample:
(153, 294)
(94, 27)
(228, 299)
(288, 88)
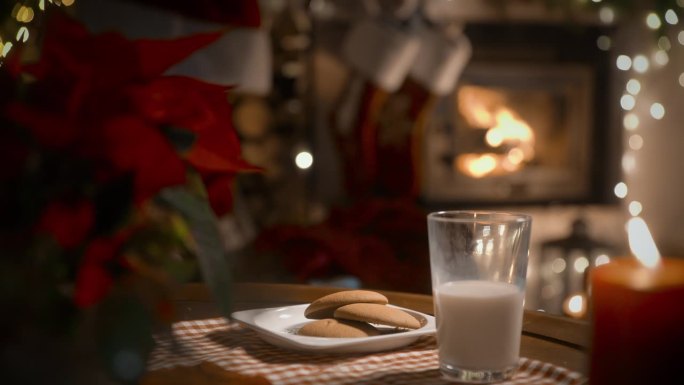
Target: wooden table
(557, 340)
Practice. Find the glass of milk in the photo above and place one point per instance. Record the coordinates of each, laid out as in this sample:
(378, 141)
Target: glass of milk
(478, 262)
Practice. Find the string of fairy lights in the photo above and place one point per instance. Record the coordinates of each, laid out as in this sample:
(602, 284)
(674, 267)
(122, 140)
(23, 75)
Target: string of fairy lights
(23, 15)
(662, 22)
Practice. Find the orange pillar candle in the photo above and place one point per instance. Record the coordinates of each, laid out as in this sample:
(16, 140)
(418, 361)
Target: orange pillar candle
(638, 323)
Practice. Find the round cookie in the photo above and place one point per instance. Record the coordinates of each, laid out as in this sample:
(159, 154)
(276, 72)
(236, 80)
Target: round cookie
(338, 329)
(325, 307)
(377, 314)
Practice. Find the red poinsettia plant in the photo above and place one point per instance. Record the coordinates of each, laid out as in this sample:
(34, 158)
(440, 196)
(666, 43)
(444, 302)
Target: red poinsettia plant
(111, 178)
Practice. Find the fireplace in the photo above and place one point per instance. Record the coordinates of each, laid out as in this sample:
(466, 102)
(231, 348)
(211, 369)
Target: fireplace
(527, 123)
(514, 133)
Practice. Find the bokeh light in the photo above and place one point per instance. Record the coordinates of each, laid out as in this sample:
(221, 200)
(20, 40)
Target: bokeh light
(630, 121)
(627, 102)
(636, 142)
(304, 160)
(621, 190)
(671, 17)
(640, 63)
(653, 21)
(657, 111)
(633, 86)
(623, 62)
(604, 43)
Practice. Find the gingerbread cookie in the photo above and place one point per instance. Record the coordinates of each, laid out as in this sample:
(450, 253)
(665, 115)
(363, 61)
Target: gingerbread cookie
(377, 314)
(334, 328)
(325, 307)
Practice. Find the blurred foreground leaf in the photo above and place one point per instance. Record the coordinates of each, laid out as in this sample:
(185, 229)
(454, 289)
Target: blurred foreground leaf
(209, 247)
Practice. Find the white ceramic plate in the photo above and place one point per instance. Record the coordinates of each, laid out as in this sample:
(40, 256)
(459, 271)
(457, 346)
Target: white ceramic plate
(279, 325)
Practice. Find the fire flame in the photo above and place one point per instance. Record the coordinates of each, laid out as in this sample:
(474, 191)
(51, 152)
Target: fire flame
(483, 108)
(477, 165)
(641, 242)
(509, 127)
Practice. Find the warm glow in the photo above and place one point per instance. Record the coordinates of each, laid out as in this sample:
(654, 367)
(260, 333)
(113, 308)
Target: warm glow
(653, 21)
(515, 156)
(657, 111)
(628, 163)
(494, 137)
(558, 265)
(680, 37)
(476, 165)
(636, 142)
(641, 242)
(481, 116)
(627, 102)
(661, 57)
(509, 127)
(631, 121)
(576, 304)
(601, 260)
(24, 14)
(671, 17)
(607, 15)
(681, 79)
(581, 264)
(624, 62)
(620, 190)
(5, 48)
(23, 34)
(640, 63)
(488, 109)
(635, 208)
(633, 86)
(304, 160)
(478, 105)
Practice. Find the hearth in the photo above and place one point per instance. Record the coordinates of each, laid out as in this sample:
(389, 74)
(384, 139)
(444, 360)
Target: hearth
(527, 123)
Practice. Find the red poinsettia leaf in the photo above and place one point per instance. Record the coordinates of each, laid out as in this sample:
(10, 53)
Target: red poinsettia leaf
(69, 50)
(217, 156)
(181, 102)
(156, 56)
(63, 34)
(131, 145)
(49, 129)
(92, 284)
(94, 278)
(220, 191)
(198, 107)
(68, 222)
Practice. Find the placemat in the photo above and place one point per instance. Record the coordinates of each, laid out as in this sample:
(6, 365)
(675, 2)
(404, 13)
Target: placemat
(237, 348)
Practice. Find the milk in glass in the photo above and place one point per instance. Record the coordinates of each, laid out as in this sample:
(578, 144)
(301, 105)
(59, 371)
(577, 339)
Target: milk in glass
(479, 324)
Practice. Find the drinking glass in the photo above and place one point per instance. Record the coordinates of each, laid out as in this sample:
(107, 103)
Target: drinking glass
(478, 263)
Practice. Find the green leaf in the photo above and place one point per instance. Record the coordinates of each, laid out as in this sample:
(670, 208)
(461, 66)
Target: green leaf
(212, 259)
(182, 140)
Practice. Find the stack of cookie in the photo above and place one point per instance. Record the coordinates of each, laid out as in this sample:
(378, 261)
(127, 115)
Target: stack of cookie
(349, 314)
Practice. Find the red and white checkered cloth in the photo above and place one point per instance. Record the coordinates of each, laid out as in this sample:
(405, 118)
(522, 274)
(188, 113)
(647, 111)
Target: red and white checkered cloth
(240, 349)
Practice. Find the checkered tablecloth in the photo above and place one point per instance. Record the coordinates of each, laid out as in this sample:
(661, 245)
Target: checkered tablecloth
(237, 348)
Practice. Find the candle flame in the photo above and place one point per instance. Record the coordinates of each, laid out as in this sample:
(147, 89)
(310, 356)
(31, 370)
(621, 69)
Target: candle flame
(641, 242)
